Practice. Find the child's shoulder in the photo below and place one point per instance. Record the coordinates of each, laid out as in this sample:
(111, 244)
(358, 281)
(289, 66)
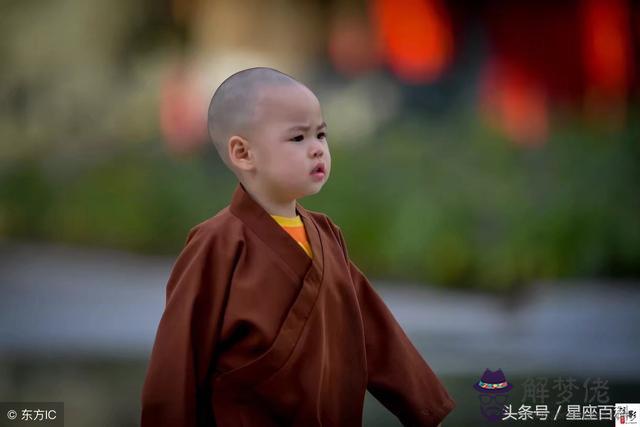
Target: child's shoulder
(319, 218)
(325, 223)
(222, 226)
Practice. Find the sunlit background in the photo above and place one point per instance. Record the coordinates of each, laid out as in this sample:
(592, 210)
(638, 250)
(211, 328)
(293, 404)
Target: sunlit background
(486, 172)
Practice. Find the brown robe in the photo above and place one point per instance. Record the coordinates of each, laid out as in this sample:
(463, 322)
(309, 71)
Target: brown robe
(255, 333)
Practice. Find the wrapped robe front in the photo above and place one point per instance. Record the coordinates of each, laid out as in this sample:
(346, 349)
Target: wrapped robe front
(255, 333)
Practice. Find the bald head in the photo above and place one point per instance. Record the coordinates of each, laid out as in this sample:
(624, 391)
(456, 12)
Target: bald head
(233, 107)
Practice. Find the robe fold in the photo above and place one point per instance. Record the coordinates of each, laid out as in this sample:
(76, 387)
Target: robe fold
(255, 333)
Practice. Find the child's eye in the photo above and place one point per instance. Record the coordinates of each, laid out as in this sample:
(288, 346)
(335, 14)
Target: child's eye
(322, 135)
(295, 138)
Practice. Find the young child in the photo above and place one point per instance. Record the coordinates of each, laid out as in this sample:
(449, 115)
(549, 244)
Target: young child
(267, 321)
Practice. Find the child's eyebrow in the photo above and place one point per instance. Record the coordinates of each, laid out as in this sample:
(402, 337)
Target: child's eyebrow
(302, 127)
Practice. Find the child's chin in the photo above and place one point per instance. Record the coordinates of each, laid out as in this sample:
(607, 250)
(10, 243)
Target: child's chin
(313, 191)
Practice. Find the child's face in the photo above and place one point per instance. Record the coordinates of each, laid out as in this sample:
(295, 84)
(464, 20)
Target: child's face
(290, 143)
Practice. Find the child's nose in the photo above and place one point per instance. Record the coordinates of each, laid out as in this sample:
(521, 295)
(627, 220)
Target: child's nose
(316, 150)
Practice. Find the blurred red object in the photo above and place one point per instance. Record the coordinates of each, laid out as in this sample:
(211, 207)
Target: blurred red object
(416, 37)
(183, 112)
(352, 47)
(543, 39)
(550, 54)
(515, 102)
(607, 50)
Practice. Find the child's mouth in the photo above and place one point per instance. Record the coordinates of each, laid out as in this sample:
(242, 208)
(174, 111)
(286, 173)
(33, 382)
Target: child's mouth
(318, 172)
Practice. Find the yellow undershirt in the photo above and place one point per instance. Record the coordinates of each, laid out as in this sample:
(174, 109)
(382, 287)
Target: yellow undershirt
(295, 227)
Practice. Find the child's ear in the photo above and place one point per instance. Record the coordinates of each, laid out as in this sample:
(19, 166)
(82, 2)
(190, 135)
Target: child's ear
(239, 153)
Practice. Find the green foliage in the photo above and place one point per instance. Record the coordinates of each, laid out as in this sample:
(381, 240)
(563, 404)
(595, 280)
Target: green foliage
(460, 206)
(448, 202)
(138, 199)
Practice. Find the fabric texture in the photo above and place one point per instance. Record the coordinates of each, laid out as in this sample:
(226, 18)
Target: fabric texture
(256, 333)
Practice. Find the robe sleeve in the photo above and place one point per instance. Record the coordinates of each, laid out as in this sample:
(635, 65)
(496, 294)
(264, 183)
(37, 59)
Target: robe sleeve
(176, 390)
(398, 376)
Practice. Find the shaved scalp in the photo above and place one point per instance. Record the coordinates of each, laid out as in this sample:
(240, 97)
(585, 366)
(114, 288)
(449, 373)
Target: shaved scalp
(232, 110)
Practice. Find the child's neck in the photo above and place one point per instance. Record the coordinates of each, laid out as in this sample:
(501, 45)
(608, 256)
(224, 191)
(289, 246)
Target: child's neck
(273, 207)
(286, 211)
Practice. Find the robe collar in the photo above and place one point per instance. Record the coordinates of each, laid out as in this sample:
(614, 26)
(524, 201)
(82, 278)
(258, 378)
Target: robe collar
(261, 223)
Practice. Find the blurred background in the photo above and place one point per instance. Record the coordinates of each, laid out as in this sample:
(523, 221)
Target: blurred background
(486, 165)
